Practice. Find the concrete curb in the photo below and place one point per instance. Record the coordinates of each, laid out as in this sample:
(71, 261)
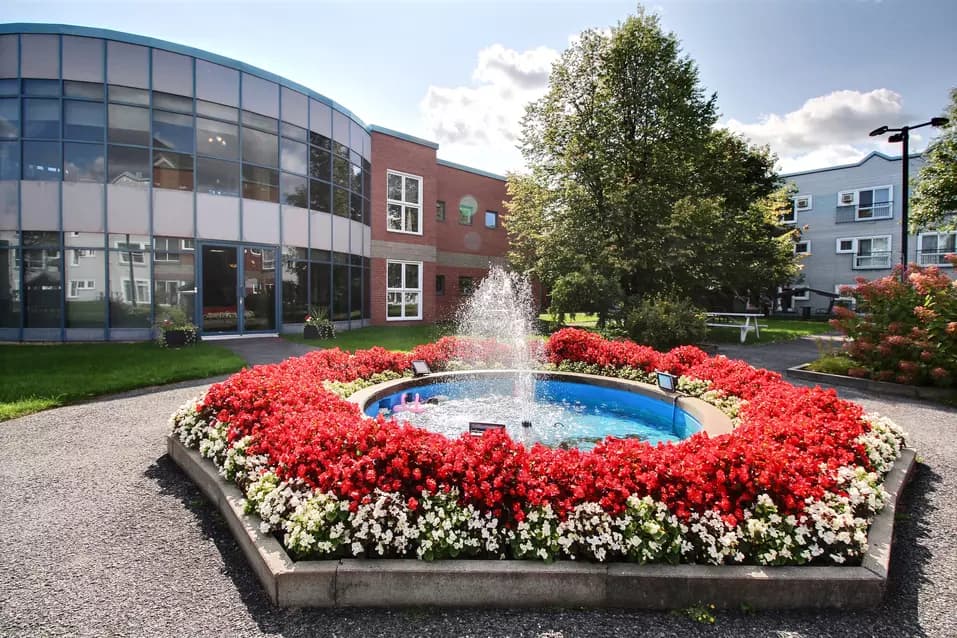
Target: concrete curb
(510, 584)
(867, 385)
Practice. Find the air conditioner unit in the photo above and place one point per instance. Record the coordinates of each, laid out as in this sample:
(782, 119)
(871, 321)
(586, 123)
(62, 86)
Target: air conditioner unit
(847, 198)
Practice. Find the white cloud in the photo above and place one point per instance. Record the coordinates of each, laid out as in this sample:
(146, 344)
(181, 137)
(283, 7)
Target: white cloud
(489, 112)
(829, 130)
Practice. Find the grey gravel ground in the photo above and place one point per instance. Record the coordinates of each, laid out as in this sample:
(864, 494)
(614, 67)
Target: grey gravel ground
(104, 536)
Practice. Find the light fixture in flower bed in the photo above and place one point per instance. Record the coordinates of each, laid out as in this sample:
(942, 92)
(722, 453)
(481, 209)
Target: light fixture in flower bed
(798, 481)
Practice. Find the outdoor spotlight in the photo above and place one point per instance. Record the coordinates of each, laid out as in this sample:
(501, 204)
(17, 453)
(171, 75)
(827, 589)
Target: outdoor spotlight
(878, 131)
(939, 121)
(896, 137)
(420, 368)
(667, 381)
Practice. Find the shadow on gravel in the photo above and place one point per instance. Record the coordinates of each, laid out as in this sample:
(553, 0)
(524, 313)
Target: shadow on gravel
(896, 617)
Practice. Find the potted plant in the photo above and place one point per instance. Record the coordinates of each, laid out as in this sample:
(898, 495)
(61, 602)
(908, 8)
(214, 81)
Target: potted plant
(175, 330)
(318, 325)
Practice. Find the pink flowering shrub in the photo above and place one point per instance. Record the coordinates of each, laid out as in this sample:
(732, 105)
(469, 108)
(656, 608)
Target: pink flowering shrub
(904, 331)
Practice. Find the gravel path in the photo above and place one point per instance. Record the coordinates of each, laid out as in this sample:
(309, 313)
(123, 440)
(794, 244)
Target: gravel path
(103, 536)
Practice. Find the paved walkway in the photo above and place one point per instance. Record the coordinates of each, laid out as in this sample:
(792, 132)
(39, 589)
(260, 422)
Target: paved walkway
(103, 535)
(260, 350)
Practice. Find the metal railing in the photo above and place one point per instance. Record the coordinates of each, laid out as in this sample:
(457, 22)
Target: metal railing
(880, 259)
(933, 257)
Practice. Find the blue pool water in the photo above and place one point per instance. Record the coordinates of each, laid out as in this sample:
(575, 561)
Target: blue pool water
(564, 413)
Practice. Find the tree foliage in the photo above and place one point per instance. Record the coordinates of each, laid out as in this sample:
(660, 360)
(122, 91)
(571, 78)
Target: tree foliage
(935, 192)
(632, 190)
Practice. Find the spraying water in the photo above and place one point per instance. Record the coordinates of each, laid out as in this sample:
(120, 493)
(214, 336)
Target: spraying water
(501, 310)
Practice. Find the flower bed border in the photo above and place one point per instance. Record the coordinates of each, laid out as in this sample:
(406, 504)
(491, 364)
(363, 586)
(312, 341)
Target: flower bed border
(491, 583)
(868, 385)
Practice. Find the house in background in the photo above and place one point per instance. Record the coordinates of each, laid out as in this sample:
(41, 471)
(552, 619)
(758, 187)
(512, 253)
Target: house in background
(850, 222)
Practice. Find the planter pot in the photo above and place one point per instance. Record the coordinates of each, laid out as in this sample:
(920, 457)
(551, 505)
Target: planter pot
(310, 332)
(177, 338)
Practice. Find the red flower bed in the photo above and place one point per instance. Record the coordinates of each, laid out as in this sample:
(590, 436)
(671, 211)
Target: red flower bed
(786, 436)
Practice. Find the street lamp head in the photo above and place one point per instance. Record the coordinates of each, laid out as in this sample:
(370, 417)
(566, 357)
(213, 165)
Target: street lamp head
(939, 121)
(878, 131)
(896, 137)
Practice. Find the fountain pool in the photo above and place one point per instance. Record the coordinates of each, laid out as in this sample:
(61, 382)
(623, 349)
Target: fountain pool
(566, 410)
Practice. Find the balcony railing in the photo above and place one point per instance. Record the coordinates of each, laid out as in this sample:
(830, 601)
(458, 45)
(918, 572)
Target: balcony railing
(873, 260)
(933, 257)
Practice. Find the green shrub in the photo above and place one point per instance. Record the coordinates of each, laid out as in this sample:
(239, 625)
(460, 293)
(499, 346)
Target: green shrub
(832, 364)
(665, 321)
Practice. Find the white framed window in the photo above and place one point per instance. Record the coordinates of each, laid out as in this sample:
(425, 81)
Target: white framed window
(165, 249)
(403, 290)
(403, 203)
(869, 252)
(802, 247)
(132, 251)
(803, 203)
(869, 203)
(269, 259)
(167, 291)
(77, 254)
(789, 216)
(189, 244)
(141, 290)
(933, 247)
(76, 285)
(804, 295)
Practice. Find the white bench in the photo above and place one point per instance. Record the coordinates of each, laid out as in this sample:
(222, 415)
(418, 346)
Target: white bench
(734, 320)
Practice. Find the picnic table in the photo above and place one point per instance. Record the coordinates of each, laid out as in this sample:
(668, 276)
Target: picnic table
(743, 321)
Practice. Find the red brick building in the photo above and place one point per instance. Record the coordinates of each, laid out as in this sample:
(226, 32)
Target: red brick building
(436, 228)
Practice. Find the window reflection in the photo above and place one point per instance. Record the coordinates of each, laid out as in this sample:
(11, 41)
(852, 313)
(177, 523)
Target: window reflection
(9, 119)
(217, 177)
(260, 183)
(84, 163)
(217, 83)
(41, 161)
(294, 156)
(85, 288)
(320, 196)
(172, 131)
(41, 118)
(294, 190)
(9, 160)
(129, 125)
(260, 148)
(129, 166)
(83, 120)
(217, 139)
(172, 170)
(42, 286)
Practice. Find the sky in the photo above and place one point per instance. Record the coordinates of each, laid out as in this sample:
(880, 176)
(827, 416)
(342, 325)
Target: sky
(809, 78)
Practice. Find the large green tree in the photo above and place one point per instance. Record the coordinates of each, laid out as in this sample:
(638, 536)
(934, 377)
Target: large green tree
(631, 189)
(935, 192)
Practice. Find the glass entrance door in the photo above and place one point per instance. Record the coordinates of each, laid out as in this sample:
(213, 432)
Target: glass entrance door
(239, 289)
(221, 300)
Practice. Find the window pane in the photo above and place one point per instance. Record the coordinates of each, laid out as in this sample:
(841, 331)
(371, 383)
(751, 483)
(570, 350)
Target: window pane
(39, 56)
(9, 87)
(319, 278)
(172, 72)
(293, 157)
(219, 111)
(319, 196)
(440, 284)
(865, 198)
(9, 284)
(882, 195)
(355, 207)
(295, 286)
(320, 119)
(320, 163)
(172, 170)
(261, 96)
(82, 59)
(9, 160)
(89, 90)
(217, 83)
(172, 102)
(394, 276)
(294, 190)
(440, 211)
(491, 219)
(217, 139)
(356, 179)
(340, 202)
(129, 125)
(340, 133)
(49, 88)
(129, 95)
(84, 163)
(41, 161)
(295, 107)
(130, 299)
(85, 290)
(217, 177)
(129, 166)
(340, 293)
(341, 175)
(268, 124)
(83, 120)
(41, 118)
(395, 217)
(9, 56)
(394, 186)
(412, 190)
(355, 292)
(127, 64)
(260, 183)
(411, 219)
(173, 132)
(42, 288)
(319, 140)
(411, 275)
(260, 147)
(293, 131)
(9, 119)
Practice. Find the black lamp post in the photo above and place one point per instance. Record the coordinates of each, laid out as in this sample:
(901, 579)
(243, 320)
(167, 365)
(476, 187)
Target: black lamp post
(903, 135)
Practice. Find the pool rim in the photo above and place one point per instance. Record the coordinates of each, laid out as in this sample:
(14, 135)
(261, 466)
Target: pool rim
(713, 421)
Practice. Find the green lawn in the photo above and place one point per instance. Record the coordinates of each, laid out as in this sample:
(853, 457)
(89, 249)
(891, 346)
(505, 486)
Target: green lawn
(777, 330)
(391, 338)
(38, 377)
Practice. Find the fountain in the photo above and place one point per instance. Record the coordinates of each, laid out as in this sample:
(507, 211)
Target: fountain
(534, 406)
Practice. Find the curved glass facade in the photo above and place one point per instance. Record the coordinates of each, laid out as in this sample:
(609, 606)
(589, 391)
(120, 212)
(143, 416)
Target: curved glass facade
(137, 176)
